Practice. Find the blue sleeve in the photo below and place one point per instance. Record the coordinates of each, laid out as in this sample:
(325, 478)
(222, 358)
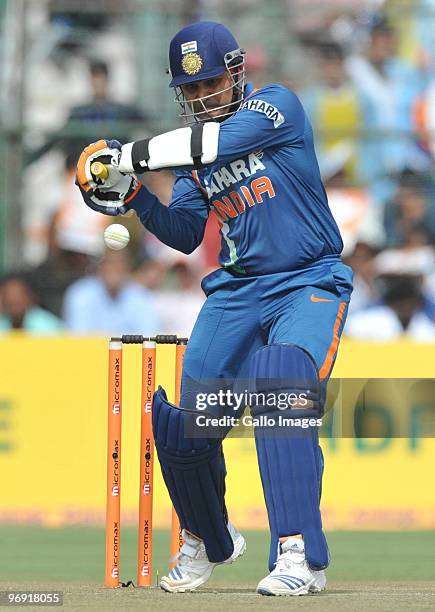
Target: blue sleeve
(272, 116)
(180, 225)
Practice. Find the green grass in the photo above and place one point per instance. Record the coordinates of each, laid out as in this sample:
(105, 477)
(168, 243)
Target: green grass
(76, 554)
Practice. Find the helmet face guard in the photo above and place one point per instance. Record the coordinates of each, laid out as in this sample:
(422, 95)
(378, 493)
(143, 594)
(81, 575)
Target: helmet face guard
(235, 68)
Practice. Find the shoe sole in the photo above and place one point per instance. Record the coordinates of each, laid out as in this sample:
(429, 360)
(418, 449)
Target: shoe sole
(267, 593)
(312, 590)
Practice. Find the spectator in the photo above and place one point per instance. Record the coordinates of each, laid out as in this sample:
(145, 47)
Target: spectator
(72, 252)
(416, 257)
(391, 87)
(111, 302)
(150, 273)
(185, 293)
(365, 289)
(411, 208)
(87, 121)
(102, 110)
(19, 309)
(355, 213)
(336, 110)
(416, 42)
(404, 308)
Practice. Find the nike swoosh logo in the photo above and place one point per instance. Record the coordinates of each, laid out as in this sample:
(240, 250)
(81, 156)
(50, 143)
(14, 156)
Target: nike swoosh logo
(313, 298)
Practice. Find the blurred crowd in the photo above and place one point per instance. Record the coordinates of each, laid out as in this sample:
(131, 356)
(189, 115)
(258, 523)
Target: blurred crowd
(366, 76)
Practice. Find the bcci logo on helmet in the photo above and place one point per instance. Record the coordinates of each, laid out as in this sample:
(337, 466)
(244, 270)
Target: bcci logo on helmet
(191, 63)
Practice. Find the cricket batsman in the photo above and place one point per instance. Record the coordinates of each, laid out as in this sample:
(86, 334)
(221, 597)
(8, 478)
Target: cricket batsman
(275, 308)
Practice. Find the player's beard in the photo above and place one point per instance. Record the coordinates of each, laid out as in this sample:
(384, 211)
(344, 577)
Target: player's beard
(203, 114)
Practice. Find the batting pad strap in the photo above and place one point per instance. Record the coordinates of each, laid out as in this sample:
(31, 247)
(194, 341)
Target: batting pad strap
(194, 473)
(196, 144)
(284, 380)
(140, 155)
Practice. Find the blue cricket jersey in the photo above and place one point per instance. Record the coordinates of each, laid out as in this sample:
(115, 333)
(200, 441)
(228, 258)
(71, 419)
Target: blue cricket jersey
(265, 188)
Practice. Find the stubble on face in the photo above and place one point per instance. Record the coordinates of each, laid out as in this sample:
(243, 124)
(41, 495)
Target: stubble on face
(218, 94)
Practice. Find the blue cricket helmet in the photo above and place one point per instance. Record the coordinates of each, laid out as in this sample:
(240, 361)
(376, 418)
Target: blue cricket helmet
(199, 52)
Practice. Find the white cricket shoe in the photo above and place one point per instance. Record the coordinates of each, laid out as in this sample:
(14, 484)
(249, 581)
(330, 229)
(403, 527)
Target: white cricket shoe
(292, 575)
(319, 583)
(193, 567)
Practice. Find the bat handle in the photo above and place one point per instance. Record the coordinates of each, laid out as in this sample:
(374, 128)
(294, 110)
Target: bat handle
(99, 170)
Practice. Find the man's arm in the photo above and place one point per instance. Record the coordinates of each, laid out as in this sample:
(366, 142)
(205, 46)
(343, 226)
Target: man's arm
(182, 224)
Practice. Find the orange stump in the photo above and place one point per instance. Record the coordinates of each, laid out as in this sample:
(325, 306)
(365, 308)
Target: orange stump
(145, 539)
(113, 506)
(176, 537)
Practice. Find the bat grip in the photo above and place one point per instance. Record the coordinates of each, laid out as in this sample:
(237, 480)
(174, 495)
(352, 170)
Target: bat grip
(99, 170)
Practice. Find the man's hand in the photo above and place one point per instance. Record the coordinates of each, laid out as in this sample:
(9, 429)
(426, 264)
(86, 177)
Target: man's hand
(112, 195)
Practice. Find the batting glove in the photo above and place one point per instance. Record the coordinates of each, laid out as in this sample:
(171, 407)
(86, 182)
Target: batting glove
(110, 196)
